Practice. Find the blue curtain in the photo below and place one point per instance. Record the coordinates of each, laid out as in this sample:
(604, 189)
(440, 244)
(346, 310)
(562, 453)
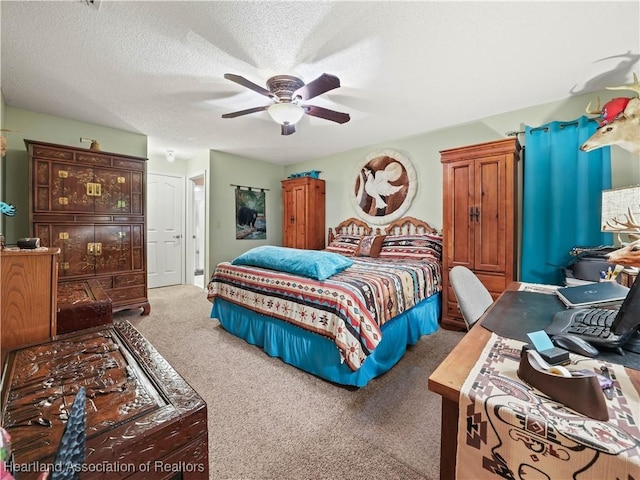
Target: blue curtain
(562, 197)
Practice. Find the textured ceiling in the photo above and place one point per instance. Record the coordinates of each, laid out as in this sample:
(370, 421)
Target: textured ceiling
(157, 68)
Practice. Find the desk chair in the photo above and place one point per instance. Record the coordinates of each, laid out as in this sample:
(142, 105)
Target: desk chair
(473, 297)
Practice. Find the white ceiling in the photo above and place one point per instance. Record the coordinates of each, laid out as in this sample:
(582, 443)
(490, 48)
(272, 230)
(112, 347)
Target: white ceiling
(157, 68)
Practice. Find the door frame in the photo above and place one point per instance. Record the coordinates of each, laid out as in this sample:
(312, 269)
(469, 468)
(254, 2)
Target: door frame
(190, 227)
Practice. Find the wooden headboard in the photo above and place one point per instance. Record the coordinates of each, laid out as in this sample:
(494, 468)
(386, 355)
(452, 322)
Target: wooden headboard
(404, 225)
(350, 226)
(410, 226)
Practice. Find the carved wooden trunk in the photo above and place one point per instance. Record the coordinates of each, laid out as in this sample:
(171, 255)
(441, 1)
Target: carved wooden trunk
(82, 305)
(91, 205)
(143, 420)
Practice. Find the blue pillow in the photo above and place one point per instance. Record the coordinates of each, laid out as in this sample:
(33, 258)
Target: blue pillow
(315, 264)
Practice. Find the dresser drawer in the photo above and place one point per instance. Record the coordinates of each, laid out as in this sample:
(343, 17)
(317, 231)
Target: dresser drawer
(128, 280)
(125, 294)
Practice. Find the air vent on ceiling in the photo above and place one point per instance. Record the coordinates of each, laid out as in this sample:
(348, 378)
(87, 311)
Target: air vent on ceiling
(95, 4)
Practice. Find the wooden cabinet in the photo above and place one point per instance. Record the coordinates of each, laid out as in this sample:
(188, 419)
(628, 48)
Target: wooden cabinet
(479, 217)
(304, 211)
(27, 297)
(91, 205)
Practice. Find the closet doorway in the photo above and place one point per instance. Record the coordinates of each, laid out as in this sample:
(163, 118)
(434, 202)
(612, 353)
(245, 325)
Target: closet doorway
(197, 231)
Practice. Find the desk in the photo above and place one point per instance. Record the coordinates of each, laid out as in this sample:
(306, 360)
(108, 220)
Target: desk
(447, 381)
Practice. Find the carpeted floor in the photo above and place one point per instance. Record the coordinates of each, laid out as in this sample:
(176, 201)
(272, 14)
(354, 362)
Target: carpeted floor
(268, 420)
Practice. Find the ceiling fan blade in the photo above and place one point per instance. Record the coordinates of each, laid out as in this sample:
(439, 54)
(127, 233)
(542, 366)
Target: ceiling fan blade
(288, 129)
(245, 112)
(325, 113)
(320, 85)
(250, 85)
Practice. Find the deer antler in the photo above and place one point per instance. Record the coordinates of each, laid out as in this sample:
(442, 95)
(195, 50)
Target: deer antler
(629, 223)
(598, 110)
(635, 86)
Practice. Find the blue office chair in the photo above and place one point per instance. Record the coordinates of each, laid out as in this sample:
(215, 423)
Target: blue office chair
(473, 297)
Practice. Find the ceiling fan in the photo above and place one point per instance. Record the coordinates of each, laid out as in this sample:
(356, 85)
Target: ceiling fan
(287, 92)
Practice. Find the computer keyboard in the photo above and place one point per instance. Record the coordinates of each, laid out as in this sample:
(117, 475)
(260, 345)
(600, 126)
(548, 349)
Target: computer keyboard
(593, 322)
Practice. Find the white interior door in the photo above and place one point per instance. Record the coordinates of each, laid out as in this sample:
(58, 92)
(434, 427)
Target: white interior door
(165, 230)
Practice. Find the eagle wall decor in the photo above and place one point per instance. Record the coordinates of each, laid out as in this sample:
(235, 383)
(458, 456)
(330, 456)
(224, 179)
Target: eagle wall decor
(384, 187)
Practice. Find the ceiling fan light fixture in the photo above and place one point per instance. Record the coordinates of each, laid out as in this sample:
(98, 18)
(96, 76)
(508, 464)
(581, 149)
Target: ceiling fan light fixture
(286, 113)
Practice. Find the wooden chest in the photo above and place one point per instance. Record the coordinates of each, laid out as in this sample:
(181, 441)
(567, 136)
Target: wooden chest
(82, 305)
(142, 419)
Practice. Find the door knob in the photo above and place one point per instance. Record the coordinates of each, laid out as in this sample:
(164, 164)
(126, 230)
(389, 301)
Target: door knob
(177, 236)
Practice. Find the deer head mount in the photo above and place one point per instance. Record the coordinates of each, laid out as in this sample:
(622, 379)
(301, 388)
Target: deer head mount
(620, 124)
(629, 255)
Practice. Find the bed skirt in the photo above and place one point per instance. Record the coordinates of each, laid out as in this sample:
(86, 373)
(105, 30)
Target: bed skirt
(318, 355)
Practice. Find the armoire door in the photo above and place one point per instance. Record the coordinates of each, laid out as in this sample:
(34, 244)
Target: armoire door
(299, 209)
(460, 213)
(490, 212)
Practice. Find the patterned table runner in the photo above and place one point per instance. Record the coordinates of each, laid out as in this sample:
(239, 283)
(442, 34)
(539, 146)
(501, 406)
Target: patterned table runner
(509, 430)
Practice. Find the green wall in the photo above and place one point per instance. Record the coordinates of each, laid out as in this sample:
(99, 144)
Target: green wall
(48, 128)
(423, 150)
(227, 170)
(222, 169)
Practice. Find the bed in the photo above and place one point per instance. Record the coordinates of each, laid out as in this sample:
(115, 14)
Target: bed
(346, 313)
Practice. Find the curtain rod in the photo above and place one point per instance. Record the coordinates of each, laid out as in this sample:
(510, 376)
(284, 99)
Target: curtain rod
(513, 133)
(248, 188)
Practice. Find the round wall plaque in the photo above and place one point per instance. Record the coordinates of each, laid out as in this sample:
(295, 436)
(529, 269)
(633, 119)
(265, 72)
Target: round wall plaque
(384, 187)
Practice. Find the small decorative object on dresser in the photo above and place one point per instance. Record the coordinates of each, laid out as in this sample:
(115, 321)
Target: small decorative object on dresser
(91, 205)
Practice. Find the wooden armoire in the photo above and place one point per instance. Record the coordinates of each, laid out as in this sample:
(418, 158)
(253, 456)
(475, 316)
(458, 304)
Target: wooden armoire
(480, 211)
(91, 205)
(303, 213)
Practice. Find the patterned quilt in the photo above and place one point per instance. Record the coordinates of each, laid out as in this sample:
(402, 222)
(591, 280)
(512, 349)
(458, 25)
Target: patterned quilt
(350, 307)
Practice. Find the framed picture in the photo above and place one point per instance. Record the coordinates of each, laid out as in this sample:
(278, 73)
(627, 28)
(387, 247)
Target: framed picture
(384, 186)
(251, 221)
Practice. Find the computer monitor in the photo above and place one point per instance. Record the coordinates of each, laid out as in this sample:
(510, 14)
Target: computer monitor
(627, 320)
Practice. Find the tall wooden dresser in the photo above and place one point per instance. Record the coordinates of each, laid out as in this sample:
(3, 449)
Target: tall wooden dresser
(479, 217)
(304, 213)
(91, 205)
